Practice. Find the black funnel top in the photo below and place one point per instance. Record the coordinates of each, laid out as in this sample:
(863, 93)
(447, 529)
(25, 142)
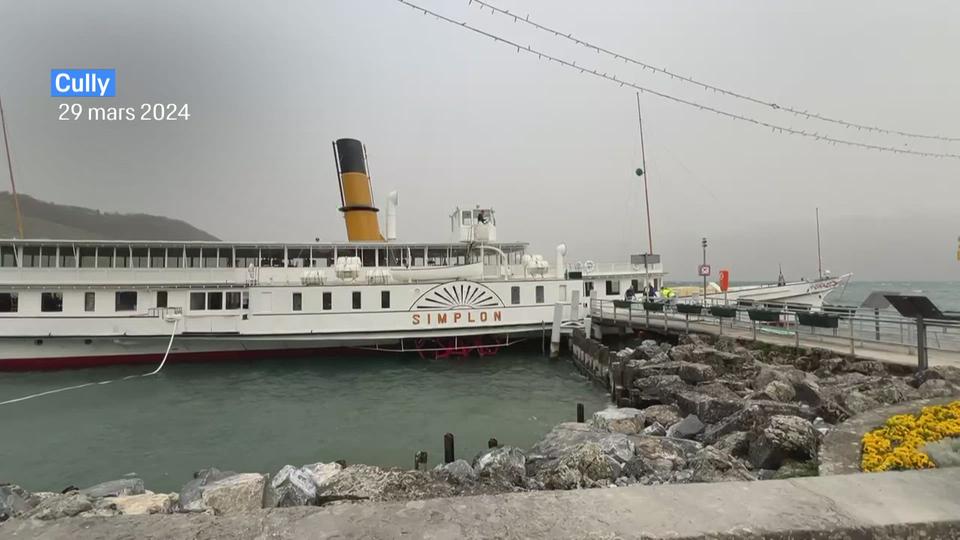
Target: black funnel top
(350, 152)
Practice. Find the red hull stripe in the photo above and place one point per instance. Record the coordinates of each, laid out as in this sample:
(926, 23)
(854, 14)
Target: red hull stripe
(70, 362)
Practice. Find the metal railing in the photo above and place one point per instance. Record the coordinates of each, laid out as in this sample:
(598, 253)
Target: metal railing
(843, 326)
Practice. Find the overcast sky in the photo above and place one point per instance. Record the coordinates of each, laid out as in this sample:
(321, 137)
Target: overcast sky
(451, 118)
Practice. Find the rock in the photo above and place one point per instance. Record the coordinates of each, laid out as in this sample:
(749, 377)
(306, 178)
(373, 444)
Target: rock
(696, 373)
(867, 367)
(191, 494)
(653, 369)
(808, 391)
(665, 415)
(936, 388)
(949, 373)
(237, 493)
(564, 438)
(16, 501)
(660, 458)
(585, 466)
(459, 471)
(780, 391)
(623, 420)
(706, 407)
(620, 449)
(663, 388)
(115, 488)
(832, 412)
(857, 402)
(647, 350)
(711, 464)
(891, 391)
(829, 366)
(688, 428)
(146, 503)
(655, 429)
(795, 469)
(322, 473)
(61, 505)
(504, 464)
(807, 363)
(781, 438)
(736, 444)
(786, 374)
(291, 486)
(624, 354)
(369, 482)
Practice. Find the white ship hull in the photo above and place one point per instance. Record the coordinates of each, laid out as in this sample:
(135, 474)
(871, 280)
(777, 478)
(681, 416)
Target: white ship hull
(811, 293)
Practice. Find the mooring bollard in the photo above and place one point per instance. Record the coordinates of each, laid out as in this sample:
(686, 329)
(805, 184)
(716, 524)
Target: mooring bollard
(420, 458)
(580, 413)
(448, 448)
(492, 443)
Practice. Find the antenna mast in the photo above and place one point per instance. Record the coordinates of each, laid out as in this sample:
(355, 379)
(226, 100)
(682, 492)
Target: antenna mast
(646, 193)
(13, 185)
(819, 258)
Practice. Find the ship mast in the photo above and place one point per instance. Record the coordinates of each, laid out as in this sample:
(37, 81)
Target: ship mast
(13, 185)
(819, 258)
(646, 193)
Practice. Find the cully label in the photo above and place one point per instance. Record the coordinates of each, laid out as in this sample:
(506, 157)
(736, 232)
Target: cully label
(83, 82)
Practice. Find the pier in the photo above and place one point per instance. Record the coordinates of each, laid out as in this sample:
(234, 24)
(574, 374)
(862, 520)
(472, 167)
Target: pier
(862, 334)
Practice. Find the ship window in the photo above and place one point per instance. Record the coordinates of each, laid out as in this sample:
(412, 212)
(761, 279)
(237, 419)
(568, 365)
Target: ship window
(539, 292)
(192, 258)
(104, 257)
(613, 287)
(157, 258)
(356, 300)
(88, 257)
(122, 259)
(635, 283)
(48, 256)
(140, 258)
(68, 258)
(514, 295)
(245, 300)
(233, 300)
(563, 293)
(89, 301)
(198, 301)
(327, 301)
(209, 257)
(8, 302)
(215, 300)
(7, 257)
(125, 301)
(31, 256)
(587, 288)
(467, 217)
(247, 257)
(385, 299)
(51, 301)
(175, 258)
(225, 260)
(297, 301)
(161, 298)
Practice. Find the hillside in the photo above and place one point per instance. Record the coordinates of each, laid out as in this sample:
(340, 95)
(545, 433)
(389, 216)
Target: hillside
(43, 219)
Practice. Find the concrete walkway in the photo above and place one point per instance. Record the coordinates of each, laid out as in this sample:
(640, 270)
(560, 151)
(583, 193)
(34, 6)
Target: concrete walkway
(916, 504)
(890, 353)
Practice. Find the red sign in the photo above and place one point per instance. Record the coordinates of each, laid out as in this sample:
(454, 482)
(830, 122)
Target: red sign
(703, 270)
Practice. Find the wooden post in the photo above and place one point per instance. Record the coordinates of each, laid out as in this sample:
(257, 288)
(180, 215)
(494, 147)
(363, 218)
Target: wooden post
(492, 443)
(922, 361)
(448, 448)
(580, 413)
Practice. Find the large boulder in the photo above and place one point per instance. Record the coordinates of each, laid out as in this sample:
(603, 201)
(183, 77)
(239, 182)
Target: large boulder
(857, 402)
(708, 408)
(712, 464)
(867, 367)
(146, 503)
(660, 388)
(688, 428)
(15, 501)
(116, 488)
(191, 494)
(696, 373)
(786, 374)
(505, 465)
(237, 493)
(653, 369)
(458, 471)
(659, 459)
(369, 482)
(624, 420)
(665, 415)
(291, 486)
(737, 444)
(62, 505)
(585, 466)
(808, 391)
(564, 438)
(948, 373)
(783, 437)
(322, 473)
(779, 391)
(655, 429)
(936, 388)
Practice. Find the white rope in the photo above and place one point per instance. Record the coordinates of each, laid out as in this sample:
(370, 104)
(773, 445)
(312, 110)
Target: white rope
(58, 390)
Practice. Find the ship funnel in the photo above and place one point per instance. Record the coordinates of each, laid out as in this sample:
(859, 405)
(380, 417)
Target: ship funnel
(356, 193)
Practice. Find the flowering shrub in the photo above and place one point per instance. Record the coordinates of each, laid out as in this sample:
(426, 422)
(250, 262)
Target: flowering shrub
(897, 444)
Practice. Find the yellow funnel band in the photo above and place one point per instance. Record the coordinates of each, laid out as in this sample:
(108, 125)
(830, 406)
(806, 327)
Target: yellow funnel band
(356, 190)
(362, 225)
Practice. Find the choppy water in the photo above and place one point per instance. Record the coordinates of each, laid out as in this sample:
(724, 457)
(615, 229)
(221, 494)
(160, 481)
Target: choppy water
(258, 416)
(945, 294)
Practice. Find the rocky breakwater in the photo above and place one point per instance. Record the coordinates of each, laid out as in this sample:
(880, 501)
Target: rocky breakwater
(766, 407)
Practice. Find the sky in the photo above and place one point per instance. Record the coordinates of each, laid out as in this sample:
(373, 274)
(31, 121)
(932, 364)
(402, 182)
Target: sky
(451, 118)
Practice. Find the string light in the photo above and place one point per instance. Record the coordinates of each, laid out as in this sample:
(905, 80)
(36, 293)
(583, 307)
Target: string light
(805, 114)
(613, 78)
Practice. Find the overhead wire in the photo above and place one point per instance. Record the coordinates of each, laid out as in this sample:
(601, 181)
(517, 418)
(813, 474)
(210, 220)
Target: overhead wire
(613, 78)
(706, 86)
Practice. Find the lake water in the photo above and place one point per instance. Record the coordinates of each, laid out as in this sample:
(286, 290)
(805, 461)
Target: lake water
(945, 294)
(259, 416)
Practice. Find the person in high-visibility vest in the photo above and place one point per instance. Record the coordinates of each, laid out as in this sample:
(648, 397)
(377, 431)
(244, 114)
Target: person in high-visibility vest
(667, 292)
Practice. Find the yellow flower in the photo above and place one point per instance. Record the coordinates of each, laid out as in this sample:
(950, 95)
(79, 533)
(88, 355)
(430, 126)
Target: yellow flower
(896, 445)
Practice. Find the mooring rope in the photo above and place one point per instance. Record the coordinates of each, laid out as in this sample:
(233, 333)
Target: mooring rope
(128, 377)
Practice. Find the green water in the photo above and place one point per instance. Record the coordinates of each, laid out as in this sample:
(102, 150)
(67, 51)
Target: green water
(258, 416)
